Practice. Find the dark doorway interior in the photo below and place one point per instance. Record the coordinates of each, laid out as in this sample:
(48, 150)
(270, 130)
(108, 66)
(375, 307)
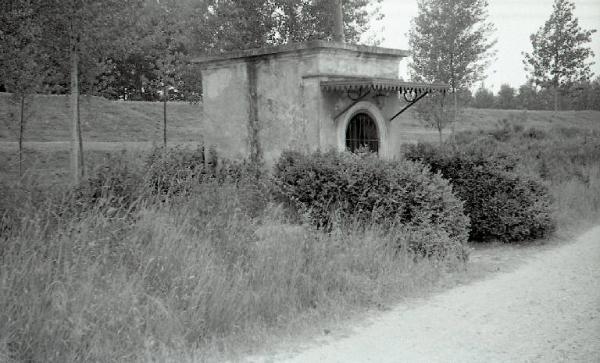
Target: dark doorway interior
(362, 132)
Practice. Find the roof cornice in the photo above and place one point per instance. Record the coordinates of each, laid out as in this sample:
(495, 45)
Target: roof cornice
(301, 47)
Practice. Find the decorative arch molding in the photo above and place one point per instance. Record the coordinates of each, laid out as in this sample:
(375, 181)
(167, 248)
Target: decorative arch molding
(375, 113)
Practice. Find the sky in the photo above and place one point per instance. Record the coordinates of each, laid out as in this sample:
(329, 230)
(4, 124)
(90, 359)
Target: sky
(514, 20)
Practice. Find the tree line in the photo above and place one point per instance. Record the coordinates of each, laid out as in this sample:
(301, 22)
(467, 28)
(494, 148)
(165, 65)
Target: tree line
(580, 96)
(141, 49)
(452, 42)
(129, 49)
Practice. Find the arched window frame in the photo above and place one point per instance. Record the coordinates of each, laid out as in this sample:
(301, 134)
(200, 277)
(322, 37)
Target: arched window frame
(374, 112)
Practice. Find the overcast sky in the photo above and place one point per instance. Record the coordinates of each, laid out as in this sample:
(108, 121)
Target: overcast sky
(515, 20)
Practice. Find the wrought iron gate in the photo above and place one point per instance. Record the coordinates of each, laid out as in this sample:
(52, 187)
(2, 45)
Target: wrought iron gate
(362, 132)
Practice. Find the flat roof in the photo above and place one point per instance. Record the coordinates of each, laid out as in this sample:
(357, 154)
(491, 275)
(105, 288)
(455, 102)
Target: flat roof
(298, 47)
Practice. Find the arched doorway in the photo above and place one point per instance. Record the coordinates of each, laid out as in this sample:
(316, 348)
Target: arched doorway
(362, 132)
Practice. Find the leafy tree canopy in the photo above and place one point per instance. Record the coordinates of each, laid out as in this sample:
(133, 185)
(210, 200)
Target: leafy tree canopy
(450, 41)
(559, 56)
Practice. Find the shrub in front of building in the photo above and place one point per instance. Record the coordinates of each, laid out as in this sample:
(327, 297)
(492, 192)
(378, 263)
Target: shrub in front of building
(330, 187)
(503, 203)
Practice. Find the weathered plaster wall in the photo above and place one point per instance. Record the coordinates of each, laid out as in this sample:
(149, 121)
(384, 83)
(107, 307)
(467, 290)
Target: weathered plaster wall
(357, 64)
(274, 102)
(292, 111)
(285, 122)
(226, 105)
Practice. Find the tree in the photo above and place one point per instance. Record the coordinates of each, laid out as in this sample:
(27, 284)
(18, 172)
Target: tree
(303, 20)
(484, 98)
(23, 62)
(594, 97)
(243, 24)
(215, 26)
(449, 40)
(506, 97)
(527, 97)
(465, 97)
(162, 35)
(432, 111)
(559, 55)
(89, 31)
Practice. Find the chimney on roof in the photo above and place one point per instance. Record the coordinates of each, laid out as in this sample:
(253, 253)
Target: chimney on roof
(338, 21)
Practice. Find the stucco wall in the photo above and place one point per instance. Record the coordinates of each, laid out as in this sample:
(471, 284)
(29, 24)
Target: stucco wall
(284, 119)
(357, 64)
(225, 111)
(292, 110)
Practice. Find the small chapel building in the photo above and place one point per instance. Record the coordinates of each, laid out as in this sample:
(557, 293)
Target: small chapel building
(308, 96)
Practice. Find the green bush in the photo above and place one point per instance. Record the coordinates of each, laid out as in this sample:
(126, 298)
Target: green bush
(177, 171)
(323, 186)
(502, 203)
(170, 171)
(113, 185)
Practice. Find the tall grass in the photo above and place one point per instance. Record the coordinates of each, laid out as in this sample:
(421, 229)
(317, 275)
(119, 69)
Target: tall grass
(577, 201)
(181, 279)
(566, 158)
(191, 277)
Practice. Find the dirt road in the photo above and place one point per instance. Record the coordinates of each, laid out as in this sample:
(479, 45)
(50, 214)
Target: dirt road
(546, 311)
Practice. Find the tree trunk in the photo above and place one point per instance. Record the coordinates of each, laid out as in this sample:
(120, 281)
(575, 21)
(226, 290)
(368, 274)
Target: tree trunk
(21, 131)
(338, 21)
(76, 140)
(165, 115)
(455, 116)
(555, 98)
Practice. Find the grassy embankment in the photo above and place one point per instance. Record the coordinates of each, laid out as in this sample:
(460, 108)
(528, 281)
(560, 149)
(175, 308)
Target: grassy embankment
(113, 126)
(199, 277)
(102, 120)
(110, 127)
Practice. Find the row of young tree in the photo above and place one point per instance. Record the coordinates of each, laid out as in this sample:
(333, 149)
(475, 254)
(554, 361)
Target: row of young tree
(581, 96)
(132, 49)
(451, 42)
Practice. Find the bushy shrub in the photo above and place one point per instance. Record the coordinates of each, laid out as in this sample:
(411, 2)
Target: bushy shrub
(502, 203)
(427, 240)
(368, 189)
(113, 185)
(177, 171)
(535, 133)
(169, 171)
(556, 155)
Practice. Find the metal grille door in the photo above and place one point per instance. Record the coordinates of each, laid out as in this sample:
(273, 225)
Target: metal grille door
(362, 132)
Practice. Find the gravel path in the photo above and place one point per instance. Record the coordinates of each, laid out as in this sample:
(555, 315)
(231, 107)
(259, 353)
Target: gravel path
(546, 311)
